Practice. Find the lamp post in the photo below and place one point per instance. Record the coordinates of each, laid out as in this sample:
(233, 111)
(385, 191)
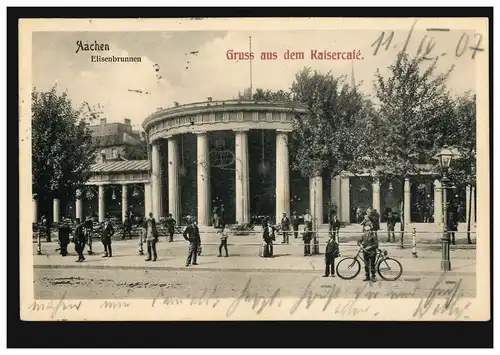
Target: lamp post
(444, 158)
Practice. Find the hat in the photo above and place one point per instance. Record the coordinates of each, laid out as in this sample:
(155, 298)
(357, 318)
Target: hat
(189, 218)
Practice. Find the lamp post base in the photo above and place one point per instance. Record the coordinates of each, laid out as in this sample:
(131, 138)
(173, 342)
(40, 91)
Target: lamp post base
(445, 265)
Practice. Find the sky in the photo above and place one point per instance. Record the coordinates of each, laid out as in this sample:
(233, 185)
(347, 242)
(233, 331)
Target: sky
(192, 77)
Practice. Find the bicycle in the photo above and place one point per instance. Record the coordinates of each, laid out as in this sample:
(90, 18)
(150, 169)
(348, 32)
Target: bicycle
(382, 265)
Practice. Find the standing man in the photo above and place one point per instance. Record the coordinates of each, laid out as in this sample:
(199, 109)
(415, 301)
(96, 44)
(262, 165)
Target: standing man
(127, 227)
(192, 235)
(268, 236)
(223, 240)
(170, 224)
(391, 223)
(285, 227)
(151, 237)
(375, 218)
(45, 227)
(107, 233)
(222, 219)
(307, 217)
(335, 227)
(88, 227)
(369, 242)
(331, 252)
(307, 237)
(64, 232)
(79, 239)
(295, 224)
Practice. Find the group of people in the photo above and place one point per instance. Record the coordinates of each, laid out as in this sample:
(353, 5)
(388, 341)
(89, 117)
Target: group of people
(82, 236)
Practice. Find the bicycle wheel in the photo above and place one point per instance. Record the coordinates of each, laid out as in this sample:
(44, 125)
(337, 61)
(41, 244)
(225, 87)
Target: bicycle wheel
(348, 268)
(389, 269)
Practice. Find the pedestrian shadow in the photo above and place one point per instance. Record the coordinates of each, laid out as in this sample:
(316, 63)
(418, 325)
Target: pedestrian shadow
(280, 255)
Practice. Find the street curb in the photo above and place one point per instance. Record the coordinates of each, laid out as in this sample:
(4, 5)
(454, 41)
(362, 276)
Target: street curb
(194, 268)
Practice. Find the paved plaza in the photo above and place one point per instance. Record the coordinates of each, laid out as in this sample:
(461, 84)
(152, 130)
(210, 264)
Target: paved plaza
(127, 274)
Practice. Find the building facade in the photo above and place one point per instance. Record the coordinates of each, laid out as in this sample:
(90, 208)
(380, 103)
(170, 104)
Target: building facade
(111, 139)
(233, 157)
(236, 126)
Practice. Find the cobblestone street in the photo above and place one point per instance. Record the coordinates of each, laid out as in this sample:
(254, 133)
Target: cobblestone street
(127, 274)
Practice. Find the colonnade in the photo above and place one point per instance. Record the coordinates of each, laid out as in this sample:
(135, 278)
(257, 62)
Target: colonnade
(242, 200)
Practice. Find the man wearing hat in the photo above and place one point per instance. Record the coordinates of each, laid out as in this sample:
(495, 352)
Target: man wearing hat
(295, 224)
(79, 239)
(64, 232)
(107, 233)
(151, 237)
(285, 227)
(192, 235)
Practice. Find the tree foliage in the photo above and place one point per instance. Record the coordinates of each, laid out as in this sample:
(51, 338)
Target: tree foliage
(460, 134)
(266, 95)
(414, 105)
(62, 149)
(136, 151)
(327, 139)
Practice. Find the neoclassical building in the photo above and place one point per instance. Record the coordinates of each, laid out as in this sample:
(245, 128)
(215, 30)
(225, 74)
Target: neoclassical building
(223, 134)
(233, 155)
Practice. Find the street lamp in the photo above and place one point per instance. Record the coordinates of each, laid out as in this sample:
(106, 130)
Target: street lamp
(444, 158)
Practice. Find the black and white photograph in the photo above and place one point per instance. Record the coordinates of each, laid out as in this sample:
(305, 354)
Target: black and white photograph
(245, 169)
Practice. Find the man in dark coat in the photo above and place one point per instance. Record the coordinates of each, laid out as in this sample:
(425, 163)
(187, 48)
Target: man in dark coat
(295, 224)
(391, 224)
(452, 226)
(88, 227)
(307, 237)
(170, 224)
(127, 227)
(331, 252)
(269, 235)
(79, 238)
(369, 242)
(192, 234)
(64, 232)
(107, 233)
(285, 227)
(334, 226)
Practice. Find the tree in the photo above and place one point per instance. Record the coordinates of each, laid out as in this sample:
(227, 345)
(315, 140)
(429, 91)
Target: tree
(136, 151)
(413, 104)
(325, 141)
(265, 95)
(62, 149)
(460, 133)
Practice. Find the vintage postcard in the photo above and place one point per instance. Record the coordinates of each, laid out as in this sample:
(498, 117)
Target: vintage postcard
(254, 169)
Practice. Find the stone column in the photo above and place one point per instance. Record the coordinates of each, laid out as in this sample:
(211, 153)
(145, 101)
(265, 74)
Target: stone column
(316, 199)
(34, 204)
(438, 202)
(345, 206)
(79, 206)
(407, 202)
(335, 194)
(242, 177)
(376, 195)
(470, 205)
(124, 202)
(156, 180)
(56, 211)
(173, 178)
(101, 207)
(147, 200)
(204, 199)
(282, 175)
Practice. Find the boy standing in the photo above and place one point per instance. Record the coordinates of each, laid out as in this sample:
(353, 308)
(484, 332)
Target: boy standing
(331, 252)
